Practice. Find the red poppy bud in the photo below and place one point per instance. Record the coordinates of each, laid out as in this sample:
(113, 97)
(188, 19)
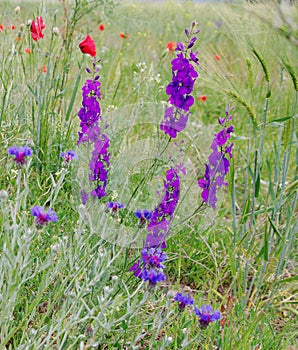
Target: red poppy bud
(101, 27)
(124, 35)
(88, 47)
(202, 98)
(171, 46)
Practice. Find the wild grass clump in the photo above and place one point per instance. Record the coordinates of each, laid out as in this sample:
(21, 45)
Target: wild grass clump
(148, 189)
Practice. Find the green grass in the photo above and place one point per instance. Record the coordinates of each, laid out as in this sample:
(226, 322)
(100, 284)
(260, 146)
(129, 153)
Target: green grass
(67, 286)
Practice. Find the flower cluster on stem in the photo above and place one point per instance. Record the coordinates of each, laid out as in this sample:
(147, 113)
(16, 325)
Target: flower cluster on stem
(219, 164)
(90, 116)
(180, 88)
(150, 267)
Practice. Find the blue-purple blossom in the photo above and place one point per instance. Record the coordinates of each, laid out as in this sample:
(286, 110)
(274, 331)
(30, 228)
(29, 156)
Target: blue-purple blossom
(206, 315)
(183, 300)
(69, 156)
(180, 88)
(43, 217)
(219, 164)
(20, 152)
(114, 206)
(143, 215)
(153, 257)
(153, 276)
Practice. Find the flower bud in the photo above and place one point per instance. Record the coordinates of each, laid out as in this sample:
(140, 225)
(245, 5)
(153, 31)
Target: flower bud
(56, 31)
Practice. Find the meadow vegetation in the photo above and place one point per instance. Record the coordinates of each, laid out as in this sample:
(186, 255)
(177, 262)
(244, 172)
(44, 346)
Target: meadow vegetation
(65, 280)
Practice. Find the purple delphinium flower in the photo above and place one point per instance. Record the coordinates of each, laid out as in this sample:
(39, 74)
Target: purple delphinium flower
(84, 196)
(164, 212)
(153, 257)
(206, 315)
(99, 166)
(20, 152)
(183, 300)
(180, 88)
(90, 116)
(150, 267)
(219, 163)
(69, 156)
(153, 276)
(43, 217)
(143, 215)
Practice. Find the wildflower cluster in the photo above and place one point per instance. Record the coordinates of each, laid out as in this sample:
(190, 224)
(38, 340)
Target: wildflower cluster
(90, 115)
(205, 312)
(180, 88)
(219, 164)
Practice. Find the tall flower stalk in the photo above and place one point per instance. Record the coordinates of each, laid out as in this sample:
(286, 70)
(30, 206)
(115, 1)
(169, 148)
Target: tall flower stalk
(91, 133)
(219, 164)
(180, 88)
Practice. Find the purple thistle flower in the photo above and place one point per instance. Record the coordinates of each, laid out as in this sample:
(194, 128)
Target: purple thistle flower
(206, 315)
(42, 217)
(183, 300)
(20, 152)
(69, 156)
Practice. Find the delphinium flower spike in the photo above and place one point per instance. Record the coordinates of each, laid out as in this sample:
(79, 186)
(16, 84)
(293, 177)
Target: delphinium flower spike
(180, 88)
(219, 164)
(151, 265)
(90, 116)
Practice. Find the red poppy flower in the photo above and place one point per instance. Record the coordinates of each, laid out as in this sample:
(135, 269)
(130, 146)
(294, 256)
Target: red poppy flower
(13, 27)
(202, 98)
(43, 69)
(87, 46)
(217, 57)
(124, 35)
(27, 50)
(1, 28)
(171, 46)
(36, 28)
(101, 27)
